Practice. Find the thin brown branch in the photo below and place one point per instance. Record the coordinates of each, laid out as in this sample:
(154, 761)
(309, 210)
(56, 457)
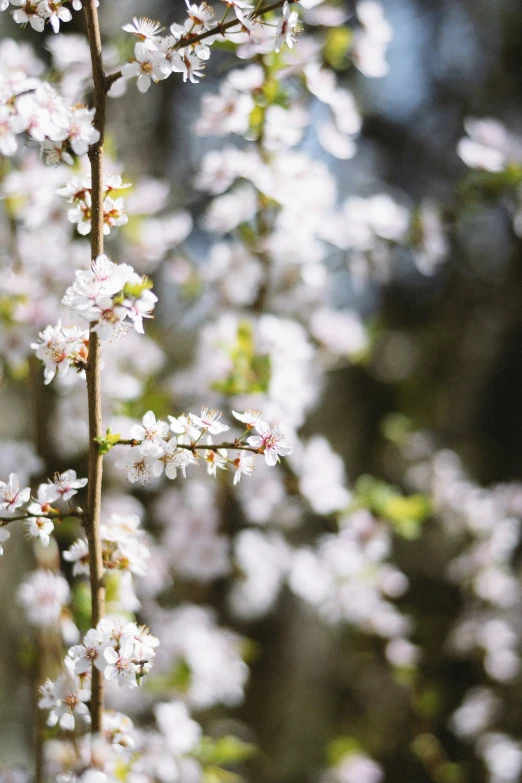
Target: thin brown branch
(92, 369)
(197, 446)
(220, 28)
(77, 514)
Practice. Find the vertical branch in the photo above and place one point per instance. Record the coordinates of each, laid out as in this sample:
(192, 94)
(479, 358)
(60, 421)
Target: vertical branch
(93, 365)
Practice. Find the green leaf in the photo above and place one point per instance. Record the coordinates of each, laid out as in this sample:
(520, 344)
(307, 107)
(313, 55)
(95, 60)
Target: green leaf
(135, 290)
(107, 441)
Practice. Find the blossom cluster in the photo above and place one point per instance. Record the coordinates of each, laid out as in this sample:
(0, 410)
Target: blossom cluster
(38, 514)
(61, 347)
(123, 652)
(161, 447)
(109, 296)
(78, 192)
(156, 57)
(30, 105)
(38, 13)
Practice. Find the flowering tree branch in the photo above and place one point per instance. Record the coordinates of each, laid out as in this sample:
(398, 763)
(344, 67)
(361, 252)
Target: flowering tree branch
(189, 40)
(92, 370)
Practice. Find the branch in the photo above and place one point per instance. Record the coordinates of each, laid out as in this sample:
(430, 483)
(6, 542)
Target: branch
(195, 446)
(220, 28)
(76, 513)
(92, 370)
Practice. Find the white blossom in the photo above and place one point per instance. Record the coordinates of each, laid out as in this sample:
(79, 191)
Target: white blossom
(148, 66)
(121, 666)
(209, 421)
(141, 467)
(244, 463)
(11, 495)
(151, 434)
(272, 442)
(65, 699)
(144, 28)
(78, 553)
(67, 484)
(90, 652)
(287, 28)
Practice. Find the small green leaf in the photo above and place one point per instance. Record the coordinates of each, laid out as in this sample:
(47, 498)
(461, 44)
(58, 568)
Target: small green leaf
(107, 441)
(135, 290)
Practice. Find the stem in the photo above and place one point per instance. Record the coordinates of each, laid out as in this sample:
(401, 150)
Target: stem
(220, 28)
(92, 370)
